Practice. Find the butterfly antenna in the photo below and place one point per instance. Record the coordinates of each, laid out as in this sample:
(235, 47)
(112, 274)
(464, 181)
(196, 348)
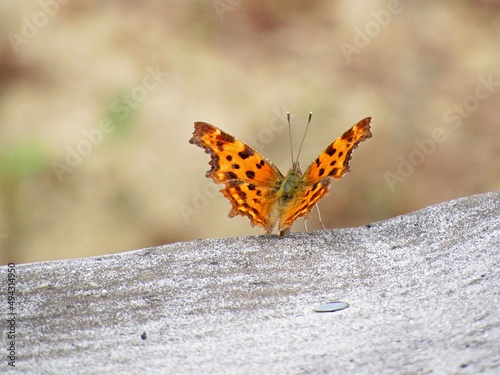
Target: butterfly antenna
(290, 133)
(304, 137)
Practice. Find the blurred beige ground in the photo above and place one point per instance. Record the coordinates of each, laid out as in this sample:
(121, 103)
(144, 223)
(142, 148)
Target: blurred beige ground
(98, 100)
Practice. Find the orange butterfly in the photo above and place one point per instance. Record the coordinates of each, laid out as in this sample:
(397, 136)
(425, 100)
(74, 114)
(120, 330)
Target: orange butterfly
(258, 190)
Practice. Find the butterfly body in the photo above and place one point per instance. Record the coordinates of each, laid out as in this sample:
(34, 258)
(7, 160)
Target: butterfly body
(290, 185)
(258, 190)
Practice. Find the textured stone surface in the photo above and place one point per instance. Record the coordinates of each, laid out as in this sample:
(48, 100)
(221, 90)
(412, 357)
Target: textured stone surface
(423, 291)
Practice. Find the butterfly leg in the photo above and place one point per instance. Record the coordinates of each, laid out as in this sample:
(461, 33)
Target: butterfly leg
(321, 221)
(319, 215)
(284, 232)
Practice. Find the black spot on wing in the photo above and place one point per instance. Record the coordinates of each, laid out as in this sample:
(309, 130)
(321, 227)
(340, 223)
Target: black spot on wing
(330, 150)
(229, 158)
(250, 174)
(321, 172)
(231, 175)
(260, 164)
(235, 166)
(347, 136)
(246, 153)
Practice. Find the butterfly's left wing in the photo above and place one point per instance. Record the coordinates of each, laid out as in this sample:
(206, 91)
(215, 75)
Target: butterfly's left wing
(250, 180)
(333, 162)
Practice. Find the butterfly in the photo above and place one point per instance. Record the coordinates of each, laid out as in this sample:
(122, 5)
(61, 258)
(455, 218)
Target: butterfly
(258, 190)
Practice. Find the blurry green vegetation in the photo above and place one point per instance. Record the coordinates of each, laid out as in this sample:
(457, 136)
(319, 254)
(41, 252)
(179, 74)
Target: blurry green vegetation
(122, 111)
(23, 159)
(18, 163)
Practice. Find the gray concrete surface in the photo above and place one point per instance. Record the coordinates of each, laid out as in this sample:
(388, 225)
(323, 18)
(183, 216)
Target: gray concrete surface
(423, 290)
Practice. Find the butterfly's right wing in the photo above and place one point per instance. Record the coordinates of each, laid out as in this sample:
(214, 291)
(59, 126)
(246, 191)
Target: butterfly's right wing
(333, 162)
(250, 180)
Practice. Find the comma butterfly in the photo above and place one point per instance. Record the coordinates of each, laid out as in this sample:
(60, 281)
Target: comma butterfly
(258, 190)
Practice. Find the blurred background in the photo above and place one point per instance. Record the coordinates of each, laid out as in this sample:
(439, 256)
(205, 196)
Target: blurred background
(98, 100)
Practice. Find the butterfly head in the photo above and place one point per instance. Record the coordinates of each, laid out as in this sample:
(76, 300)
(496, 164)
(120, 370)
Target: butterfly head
(296, 168)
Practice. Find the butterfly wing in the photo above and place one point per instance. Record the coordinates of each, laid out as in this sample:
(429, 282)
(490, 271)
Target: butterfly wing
(333, 162)
(302, 204)
(250, 179)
